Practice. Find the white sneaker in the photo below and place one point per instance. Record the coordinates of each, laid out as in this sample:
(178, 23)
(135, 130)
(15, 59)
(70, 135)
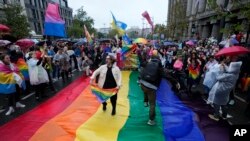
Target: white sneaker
(11, 110)
(151, 122)
(20, 105)
(231, 102)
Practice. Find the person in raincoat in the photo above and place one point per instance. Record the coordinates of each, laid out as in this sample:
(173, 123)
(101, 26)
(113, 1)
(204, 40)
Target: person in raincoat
(219, 94)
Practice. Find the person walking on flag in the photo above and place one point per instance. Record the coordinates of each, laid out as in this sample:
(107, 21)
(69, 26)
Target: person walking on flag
(109, 82)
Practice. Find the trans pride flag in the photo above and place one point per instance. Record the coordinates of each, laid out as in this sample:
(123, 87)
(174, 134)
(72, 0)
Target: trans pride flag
(103, 94)
(54, 25)
(23, 67)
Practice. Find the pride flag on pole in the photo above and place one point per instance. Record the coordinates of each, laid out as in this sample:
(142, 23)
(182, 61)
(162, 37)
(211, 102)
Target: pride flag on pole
(54, 25)
(87, 35)
(147, 17)
(118, 25)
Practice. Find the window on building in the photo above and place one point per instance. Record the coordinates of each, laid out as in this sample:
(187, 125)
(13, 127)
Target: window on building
(63, 3)
(35, 2)
(34, 13)
(42, 16)
(35, 27)
(39, 28)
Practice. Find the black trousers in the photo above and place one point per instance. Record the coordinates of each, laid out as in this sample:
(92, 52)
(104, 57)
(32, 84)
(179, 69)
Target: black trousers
(15, 97)
(39, 90)
(64, 73)
(113, 100)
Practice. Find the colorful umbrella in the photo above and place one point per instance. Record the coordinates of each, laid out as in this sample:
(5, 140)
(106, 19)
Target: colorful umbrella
(141, 41)
(25, 43)
(4, 42)
(190, 43)
(232, 51)
(4, 28)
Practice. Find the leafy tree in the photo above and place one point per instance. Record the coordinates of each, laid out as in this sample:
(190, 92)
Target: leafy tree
(100, 35)
(80, 19)
(15, 19)
(179, 23)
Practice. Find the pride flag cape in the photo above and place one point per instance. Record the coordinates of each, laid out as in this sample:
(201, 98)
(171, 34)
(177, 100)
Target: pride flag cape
(194, 72)
(54, 25)
(103, 94)
(23, 67)
(7, 81)
(79, 117)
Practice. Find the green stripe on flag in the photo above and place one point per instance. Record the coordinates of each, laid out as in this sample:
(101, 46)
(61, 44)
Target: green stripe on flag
(136, 128)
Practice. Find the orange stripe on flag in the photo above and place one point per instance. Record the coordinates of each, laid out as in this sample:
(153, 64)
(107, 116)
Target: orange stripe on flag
(63, 127)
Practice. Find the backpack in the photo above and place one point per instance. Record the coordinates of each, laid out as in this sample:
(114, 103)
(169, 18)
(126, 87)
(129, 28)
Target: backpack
(151, 71)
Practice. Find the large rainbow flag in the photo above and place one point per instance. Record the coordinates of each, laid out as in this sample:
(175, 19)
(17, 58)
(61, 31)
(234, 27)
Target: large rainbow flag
(74, 114)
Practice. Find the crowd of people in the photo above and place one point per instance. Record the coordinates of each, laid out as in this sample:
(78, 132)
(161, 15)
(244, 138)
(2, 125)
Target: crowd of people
(193, 66)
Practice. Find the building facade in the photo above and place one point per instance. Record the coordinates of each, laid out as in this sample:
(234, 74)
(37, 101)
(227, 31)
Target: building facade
(35, 12)
(203, 21)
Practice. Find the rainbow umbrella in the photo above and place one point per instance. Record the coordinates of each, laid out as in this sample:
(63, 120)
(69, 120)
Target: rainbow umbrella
(141, 41)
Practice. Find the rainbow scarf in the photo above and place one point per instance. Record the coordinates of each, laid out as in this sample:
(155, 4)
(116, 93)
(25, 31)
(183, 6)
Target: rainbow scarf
(23, 67)
(79, 117)
(7, 81)
(103, 94)
(127, 50)
(194, 72)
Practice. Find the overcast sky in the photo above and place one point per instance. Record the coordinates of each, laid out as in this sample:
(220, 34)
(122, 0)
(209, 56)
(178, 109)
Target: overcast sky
(128, 11)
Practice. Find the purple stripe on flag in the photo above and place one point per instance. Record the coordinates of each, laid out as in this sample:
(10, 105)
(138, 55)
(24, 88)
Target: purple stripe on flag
(178, 121)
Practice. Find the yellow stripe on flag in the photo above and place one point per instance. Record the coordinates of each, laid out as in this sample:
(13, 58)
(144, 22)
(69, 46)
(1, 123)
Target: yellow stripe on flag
(102, 126)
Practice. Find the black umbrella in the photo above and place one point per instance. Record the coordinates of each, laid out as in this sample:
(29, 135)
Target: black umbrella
(41, 43)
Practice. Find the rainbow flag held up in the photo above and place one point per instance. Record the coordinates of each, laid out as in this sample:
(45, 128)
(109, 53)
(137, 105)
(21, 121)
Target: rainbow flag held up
(103, 94)
(23, 67)
(194, 72)
(88, 37)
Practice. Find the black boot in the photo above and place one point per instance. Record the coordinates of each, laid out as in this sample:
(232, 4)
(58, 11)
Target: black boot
(104, 106)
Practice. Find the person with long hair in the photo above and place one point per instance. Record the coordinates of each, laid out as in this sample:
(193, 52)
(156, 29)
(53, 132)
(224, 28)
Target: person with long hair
(11, 83)
(109, 77)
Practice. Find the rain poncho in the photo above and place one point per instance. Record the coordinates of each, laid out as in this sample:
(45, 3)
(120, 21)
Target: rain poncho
(37, 73)
(225, 83)
(211, 75)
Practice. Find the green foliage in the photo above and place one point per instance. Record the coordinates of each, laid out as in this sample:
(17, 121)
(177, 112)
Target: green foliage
(100, 35)
(16, 20)
(179, 22)
(80, 19)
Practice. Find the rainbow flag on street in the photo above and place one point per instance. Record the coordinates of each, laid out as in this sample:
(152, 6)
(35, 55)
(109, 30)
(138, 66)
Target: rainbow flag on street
(80, 117)
(103, 94)
(23, 67)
